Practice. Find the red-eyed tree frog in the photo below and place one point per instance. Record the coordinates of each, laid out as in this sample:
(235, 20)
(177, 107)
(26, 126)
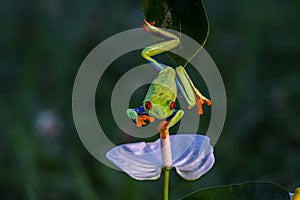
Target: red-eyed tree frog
(160, 99)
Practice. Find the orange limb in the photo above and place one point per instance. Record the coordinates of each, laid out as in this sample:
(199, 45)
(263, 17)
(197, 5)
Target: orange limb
(145, 26)
(152, 23)
(163, 129)
(200, 102)
(141, 120)
(164, 133)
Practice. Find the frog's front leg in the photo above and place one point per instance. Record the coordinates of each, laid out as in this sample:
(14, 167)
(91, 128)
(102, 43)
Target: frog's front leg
(189, 92)
(139, 116)
(170, 121)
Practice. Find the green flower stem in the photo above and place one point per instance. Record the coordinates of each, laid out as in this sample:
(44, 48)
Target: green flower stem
(166, 182)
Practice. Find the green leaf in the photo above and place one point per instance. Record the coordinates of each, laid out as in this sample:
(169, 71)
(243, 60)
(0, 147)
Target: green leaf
(185, 16)
(244, 191)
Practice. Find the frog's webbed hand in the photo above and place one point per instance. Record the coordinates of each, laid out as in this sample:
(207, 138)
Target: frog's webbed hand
(171, 41)
(190, 93)
(139, 116)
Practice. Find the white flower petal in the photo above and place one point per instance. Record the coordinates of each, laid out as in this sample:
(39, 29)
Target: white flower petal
(200, 167)
(141, 161)
(197, 159)
(193, 157)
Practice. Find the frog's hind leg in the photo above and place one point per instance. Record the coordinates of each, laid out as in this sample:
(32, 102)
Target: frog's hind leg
(190, 93)
(171, 42)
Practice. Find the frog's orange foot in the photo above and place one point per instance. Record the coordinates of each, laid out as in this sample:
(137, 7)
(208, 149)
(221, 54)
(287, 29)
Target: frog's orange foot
(163, 129)
(143, 120)
(200, 101)
(162, 126)
(144, 25)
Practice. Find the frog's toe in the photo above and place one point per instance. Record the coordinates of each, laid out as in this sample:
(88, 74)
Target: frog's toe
(144, 120)
(200, 101)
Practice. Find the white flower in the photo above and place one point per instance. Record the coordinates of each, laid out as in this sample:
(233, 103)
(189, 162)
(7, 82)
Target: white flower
(192, 156)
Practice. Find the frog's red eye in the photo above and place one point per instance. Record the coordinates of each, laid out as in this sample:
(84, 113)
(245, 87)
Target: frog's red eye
(148, 105)
(172, 105)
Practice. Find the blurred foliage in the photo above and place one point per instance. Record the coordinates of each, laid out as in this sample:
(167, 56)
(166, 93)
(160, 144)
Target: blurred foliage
(42, 44)
(245, 191)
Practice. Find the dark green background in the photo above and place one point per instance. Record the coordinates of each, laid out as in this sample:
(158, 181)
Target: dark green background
(255, 44)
